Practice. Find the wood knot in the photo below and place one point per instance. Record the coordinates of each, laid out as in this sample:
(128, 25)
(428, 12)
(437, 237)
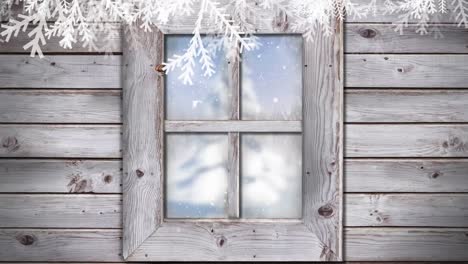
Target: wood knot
(108, 179)
(326, 211)
(10, 143)
(367, 33)
(280, 22)
(445, 144)
(26, 240)
(221, 241)
(160, 68)
(436, 175)
(139, 173)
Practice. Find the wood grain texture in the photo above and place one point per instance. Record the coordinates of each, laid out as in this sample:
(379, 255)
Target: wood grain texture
(408, 175)
(387, 106)
(60, 211)
(143, 140)
(386, 17)
(61, 71)
(323, 141)
(233, 126)
(54, 106)
(60, 176)
(382, 38)
(233, 187)
(217, 241)
(448, 210)
(60, 245)
(112, 40)
(104, 211)
(406, 244)
(406, 141)
(425, 71)
(97, 141)
(362, 244)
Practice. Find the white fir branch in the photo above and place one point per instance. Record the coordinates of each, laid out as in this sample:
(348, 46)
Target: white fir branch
(91, 23)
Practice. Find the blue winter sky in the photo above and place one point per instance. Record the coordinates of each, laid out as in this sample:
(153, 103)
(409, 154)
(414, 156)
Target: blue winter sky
(271, 88)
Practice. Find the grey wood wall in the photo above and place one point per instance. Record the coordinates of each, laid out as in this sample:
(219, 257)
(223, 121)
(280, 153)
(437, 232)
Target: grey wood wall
(406, 148)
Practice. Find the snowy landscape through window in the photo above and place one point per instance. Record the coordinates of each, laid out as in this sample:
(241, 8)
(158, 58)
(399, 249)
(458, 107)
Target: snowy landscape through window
(269, 166)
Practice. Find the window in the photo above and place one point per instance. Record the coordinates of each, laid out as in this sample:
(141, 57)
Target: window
(243, 166)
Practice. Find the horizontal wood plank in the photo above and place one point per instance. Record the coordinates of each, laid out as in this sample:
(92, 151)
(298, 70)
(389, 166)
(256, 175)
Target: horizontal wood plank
(110, 40)
(361, 244)
(361, 175)
(54, 106)
(60, 245)
(233, 126)
(60, 211)
(387, 106)
(382, 38)
(406, 141)
(60, 141)
(60, 176)
(388, 71)
(60, 71)
(383, 16)
(408, 175)
(104, 211)
(103, 141)
(448, 210)
(405, 244)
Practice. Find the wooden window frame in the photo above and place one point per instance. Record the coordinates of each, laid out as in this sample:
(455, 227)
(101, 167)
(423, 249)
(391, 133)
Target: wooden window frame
(147, 236)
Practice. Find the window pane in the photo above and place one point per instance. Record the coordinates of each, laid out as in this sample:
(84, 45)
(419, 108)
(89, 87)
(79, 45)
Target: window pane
(271, 176)
(196, 175)
(208, 98)
(272, 79)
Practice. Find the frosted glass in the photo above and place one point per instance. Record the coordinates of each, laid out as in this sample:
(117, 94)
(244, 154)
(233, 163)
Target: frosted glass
(196, 175)
(208, 98)
(271, 176)
(272, 79)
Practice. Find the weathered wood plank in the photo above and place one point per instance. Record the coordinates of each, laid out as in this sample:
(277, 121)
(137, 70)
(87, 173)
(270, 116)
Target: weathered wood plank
(111, 40)
(104, 211)
(103, 141)
(143, 140)
(385, 17)
(69, 141)
(409, 175)
(406, 141)
(291, 241)
(448, 210)
(382, 38)
(362, 175)
(361, 244)
(233, 126)
(233, 187)
(61, 71)
(60, 245)
(406, 244)
(54, 106)
(428, 71)
(60, 211)
(323, 140)
(60, 176)
(406, 106)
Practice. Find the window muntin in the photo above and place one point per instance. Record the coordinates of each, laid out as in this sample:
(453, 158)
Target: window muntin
(269, 90)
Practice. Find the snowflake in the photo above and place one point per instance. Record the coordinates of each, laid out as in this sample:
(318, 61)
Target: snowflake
(93, 22)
